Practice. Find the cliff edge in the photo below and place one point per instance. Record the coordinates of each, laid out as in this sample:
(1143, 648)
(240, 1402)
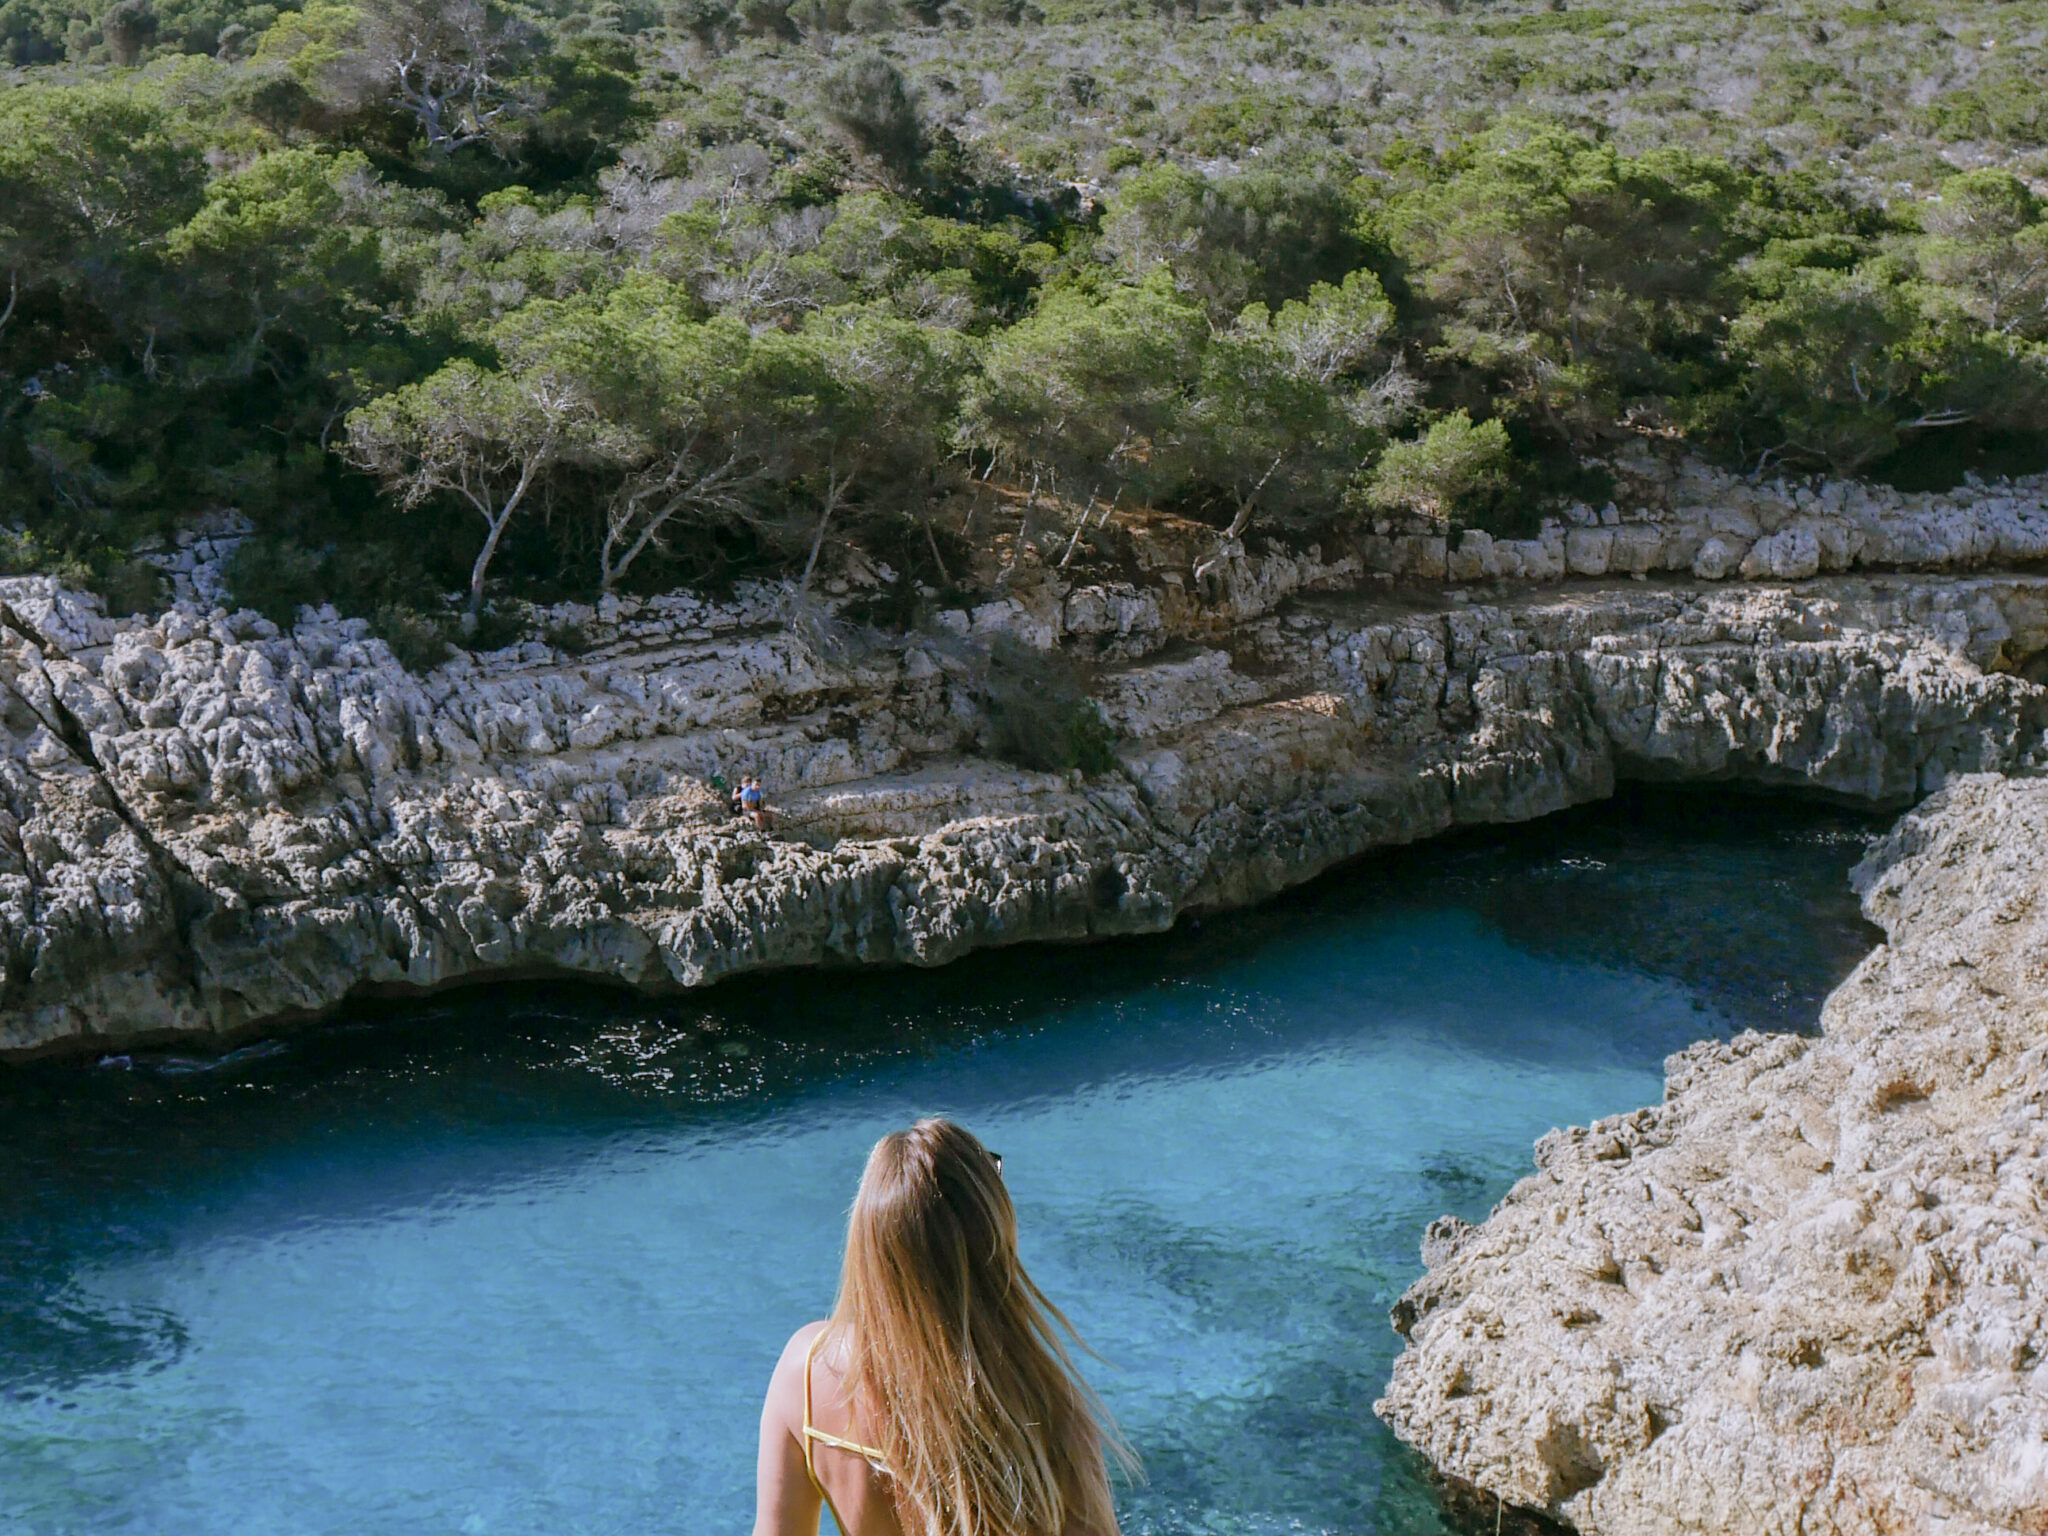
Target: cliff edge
(208, 825)
(1809, 1291)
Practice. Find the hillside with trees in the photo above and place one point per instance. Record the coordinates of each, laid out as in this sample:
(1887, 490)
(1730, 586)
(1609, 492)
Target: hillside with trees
(462, 304)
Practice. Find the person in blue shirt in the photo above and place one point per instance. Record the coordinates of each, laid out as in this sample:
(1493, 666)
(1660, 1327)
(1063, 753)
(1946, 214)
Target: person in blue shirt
(752, 806)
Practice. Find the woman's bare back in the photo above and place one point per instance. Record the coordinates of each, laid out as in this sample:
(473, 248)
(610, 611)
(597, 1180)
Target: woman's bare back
(788, 1503)
(1012, 1445)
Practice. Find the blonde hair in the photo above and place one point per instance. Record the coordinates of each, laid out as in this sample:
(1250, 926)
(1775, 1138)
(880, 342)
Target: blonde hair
(955, 1357)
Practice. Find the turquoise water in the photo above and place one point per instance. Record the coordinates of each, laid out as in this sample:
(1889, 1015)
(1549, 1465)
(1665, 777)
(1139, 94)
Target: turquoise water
(519, 1262)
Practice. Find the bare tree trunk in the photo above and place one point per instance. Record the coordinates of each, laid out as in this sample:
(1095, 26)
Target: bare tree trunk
(13, 294)
(1248, 503)
(933, 540)
(497, 526)
(1080, 527)
(980, 494)
(713, 487)
(615, 528)
(1027, 526)
(835, 487)
(476, 572)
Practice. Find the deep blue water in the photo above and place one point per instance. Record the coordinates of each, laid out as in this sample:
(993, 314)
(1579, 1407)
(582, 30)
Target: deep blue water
(520, 1261)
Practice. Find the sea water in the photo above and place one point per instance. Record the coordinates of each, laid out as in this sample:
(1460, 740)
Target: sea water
(520, 1260)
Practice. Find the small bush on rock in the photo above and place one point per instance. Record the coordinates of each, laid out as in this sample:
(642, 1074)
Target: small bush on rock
(418, 641)
(1040, 715)
(22, 554)
(275, 578)
(497, 626)
(567, 636)
(1454, 472)
(127, 586)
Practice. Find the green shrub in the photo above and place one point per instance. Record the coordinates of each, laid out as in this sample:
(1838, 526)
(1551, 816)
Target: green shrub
(418, 640)
(275, 577)
(127, 586)
(1053, 735)
(865, 97)
(499, 625)
(1040, 715)
(1086, 740)
(21, 553)
(567, 636)
(1452, 473)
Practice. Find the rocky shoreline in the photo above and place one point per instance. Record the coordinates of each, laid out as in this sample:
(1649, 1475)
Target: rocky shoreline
(1808, 1291)
(1804, 1293)
(212, 827)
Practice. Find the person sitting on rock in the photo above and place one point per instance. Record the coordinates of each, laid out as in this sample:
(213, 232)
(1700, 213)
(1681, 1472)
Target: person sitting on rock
(752, 806)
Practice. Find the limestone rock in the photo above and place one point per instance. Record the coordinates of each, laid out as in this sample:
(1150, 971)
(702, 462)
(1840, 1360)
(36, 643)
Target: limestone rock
(1808, 1291)
(1698, 519)
(1717, 558)
(1790, 554)
(1635, 550)
(1474, 558)
(1587, 550)
(207, 825)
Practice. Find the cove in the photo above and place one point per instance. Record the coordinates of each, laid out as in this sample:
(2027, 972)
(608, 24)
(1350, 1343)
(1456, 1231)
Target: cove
(518, 1260)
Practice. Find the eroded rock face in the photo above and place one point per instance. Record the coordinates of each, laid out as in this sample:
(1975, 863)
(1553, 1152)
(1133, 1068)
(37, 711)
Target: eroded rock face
(209, 825)
(1683, 515)
(1809, 1291)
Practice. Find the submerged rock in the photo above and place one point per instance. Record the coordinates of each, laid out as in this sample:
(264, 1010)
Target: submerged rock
(1808, 1291)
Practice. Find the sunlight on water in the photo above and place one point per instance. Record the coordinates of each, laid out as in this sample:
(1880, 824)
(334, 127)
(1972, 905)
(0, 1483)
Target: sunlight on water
(521, 1264)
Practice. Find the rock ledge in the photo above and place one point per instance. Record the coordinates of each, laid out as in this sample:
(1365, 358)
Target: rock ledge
(208, 826)
(1809, 1291)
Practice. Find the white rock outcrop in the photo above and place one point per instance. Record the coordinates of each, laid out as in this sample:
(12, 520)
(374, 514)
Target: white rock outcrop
(1698, 521)
(1809, 1291)
(207, 825)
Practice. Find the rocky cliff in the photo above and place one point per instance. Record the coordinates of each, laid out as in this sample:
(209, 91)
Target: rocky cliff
(1809, 1291)
(210, 825)
(1804, 1294)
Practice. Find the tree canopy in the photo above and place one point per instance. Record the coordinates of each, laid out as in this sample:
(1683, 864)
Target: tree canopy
(547, 297)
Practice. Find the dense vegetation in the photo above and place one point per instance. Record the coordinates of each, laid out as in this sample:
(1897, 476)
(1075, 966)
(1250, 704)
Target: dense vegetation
(576, 295)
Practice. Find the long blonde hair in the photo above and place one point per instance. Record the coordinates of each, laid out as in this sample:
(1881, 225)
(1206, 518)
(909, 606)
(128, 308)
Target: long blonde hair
(956, 1357)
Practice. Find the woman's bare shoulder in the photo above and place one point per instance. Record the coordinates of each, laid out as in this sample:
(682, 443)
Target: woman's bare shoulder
(799, 1343)
(785, 1388)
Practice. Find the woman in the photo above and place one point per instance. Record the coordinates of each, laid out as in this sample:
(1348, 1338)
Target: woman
(937, 1400)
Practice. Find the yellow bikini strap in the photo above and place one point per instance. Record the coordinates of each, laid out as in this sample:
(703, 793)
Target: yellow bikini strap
(813, 1436)
(810, 1434)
